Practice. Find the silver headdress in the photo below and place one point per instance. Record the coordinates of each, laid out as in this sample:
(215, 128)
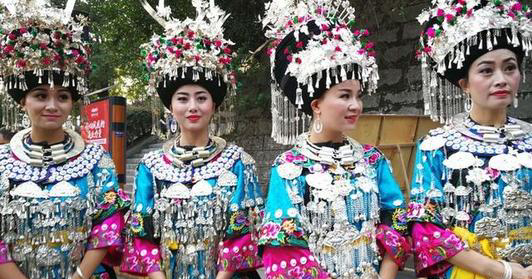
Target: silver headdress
(194, 47)
(456, 32)
(337, 52)
(39, 40)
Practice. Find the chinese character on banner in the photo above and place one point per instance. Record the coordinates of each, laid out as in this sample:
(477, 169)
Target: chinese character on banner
(96, 127)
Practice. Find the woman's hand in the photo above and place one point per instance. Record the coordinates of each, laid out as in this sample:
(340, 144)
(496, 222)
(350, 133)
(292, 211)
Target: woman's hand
(10, 271)
(157, 275)
(224, 275)
(519, 272)
(388, 267)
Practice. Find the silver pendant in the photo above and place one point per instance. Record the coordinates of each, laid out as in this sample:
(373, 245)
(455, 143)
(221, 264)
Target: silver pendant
(176, 191)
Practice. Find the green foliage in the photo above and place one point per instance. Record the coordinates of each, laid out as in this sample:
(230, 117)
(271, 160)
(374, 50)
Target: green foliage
(121, 26)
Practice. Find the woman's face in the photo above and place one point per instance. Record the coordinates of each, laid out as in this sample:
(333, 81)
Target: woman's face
(48, 108)
(493, 80)
(340, 107)
(192, 107)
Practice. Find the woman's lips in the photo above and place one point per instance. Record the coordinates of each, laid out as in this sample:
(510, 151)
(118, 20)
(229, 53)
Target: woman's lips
(52, 117)
(500, 94)
(351, 119)
(193, 118)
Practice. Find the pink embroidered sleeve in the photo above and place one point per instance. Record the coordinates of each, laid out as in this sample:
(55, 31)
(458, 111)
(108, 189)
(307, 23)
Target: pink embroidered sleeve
(141, 257)
(291, 262)
(394, 244)
(108, 234)
(432, 246)
(238, 254)
(5, 256)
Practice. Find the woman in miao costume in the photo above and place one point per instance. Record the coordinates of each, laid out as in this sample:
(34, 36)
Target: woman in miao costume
(197, 200)
(332, 201)
(470, 210)
(61, 209)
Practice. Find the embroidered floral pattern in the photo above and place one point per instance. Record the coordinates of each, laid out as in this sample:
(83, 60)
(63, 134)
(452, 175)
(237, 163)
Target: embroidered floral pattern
(111, 202)
(399, 221)
(108, 233)
(299, 272)
(238, 223)
(371, 154)
(103, 275)
(238, 254)
(391, 242)
(136, 224)
(293, 156)
(141, 258)
(5, 256)
(432, 245)
(427, 212)
(286, 232)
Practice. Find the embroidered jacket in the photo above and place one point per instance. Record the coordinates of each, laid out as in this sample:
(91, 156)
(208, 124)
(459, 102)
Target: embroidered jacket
(50, 215)
(190, 222)
(471, 188)
(339, 216)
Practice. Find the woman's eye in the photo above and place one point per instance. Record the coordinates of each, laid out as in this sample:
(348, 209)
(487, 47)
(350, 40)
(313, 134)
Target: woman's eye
(64, 97)
(202, 98)
(485, 71)
(511, 67)
(182, 99)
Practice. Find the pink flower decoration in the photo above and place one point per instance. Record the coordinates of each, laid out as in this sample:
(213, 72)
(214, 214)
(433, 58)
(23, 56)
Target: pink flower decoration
(449, 17)
(289, 58)
(431, 32)
(440, 12)
(374, 158)
(470, 12)
(324, 27)
(46, 61)
(12, 37)
(511, 14)
(178, 53)
(8, 49)
(190, 34)
(270, 230)
(337, 48)
(227, 50)
(370, 45)
(23, 30)
(269, 51)
(366, 32)
(517, 7)
(361, 51)
(299, 44)
(21, 63)
(187, 46)
(356, 32)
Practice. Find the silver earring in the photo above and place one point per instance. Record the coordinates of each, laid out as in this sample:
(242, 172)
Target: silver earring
(68, 123)
(516, 101)
(26, 121)
(468, 103)
(317, 125)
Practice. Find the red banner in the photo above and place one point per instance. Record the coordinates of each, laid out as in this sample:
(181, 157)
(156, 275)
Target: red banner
(96, 128)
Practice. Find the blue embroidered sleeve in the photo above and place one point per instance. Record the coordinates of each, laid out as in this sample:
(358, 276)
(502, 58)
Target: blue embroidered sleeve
(281, 225)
